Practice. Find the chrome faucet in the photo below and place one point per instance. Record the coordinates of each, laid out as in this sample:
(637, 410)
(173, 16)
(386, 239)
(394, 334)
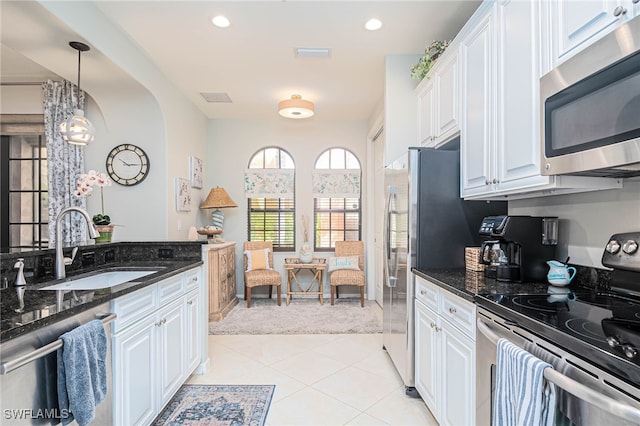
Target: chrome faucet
(60, 259)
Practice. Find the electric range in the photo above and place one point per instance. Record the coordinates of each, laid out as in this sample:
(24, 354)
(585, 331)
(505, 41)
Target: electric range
(600, 327)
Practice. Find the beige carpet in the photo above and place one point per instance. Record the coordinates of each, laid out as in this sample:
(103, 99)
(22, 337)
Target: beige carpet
(302, 316)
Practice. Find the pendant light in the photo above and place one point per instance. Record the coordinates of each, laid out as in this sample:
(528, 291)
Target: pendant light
(77, 129)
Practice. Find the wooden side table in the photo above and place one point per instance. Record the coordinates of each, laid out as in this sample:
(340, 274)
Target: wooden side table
(316, 267)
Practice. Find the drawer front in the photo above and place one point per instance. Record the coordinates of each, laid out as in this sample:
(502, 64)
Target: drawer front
(459, 312)
(134, 306)
(192, 280)
(427, 293)
(170, 289)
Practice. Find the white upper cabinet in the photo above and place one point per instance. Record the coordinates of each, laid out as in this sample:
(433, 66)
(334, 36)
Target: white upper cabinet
(576, 24)
(502, 60)
(476, 138)
(426, 129)
(439, 102)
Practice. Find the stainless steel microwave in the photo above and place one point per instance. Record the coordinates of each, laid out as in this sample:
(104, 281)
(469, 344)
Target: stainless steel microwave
(590, 109)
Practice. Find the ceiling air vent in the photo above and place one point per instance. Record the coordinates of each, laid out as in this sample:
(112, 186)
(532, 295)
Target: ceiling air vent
(312, 52)
(216, 97)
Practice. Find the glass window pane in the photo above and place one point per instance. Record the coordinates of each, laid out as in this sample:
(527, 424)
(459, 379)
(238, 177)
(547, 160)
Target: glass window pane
(286, 162)
(257, 161)
(337, 221)
(21, 175)
(323, 161)
(352, 161)
(44, 172)
(351, 236)
(20, 207)
(271, 158)
(337, 158)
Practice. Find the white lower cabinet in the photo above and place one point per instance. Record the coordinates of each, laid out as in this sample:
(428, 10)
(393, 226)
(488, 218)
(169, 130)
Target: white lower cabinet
(445, 354)
(154, 353)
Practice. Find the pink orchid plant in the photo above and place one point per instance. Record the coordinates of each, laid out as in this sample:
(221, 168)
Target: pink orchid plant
(85, 185)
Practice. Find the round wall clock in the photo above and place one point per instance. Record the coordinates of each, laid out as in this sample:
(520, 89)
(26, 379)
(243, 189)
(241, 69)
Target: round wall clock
(127, 164)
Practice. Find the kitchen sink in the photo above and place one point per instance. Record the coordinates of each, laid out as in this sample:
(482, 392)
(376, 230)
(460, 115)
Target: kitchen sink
(100, 280)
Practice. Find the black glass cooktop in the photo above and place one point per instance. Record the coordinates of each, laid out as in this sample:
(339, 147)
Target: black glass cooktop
(600, 327)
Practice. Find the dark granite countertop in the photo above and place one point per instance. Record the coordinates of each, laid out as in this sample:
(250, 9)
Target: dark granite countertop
(41, 307)
(468, 284)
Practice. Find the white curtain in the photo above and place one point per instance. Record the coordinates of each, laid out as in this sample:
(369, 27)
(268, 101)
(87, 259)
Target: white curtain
(269, 183)
(65, 162)
(332, 183)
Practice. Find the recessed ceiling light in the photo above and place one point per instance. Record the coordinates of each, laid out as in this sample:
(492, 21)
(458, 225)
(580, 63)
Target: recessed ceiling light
(220, 21)
(373, 24)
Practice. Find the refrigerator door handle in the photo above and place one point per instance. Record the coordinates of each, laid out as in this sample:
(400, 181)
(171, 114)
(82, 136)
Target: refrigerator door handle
(387, 238)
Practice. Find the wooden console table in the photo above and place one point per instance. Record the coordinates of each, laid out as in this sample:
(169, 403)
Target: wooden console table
(221, 270)
(293, 265)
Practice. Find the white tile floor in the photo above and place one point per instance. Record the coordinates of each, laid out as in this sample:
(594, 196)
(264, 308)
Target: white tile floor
(339, 379)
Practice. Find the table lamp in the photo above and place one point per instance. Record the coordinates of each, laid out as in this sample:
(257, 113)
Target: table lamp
(217, 199)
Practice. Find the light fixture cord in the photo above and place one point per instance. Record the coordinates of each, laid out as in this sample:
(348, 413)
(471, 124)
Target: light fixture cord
(78, 99)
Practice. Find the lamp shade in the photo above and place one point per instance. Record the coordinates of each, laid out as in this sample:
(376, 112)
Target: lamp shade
(217, 198)
(296, 108)
(77, 129)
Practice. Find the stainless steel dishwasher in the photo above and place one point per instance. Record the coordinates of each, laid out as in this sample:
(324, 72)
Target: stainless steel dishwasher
(28, 373)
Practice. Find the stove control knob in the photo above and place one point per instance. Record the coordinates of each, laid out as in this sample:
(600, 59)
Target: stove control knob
(630, 247)
(612, 341)
(612, 247)
(629, 351)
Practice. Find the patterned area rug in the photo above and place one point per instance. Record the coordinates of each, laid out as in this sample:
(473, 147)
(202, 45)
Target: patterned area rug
(218, 405)
(302, 316)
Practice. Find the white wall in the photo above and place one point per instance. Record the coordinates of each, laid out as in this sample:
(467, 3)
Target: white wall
(136, 104)
(400, 106)
(233, 142)
(587, 220)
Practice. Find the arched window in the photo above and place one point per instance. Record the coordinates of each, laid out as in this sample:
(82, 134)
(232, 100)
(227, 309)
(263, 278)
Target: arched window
(336, 191)
(269, 186)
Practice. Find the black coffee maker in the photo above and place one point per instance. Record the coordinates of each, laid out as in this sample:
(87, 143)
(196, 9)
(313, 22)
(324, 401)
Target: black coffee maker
(516, 248)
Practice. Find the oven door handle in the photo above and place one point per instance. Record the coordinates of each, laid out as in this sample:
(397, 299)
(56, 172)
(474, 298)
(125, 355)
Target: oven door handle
(577, 389)
(19, 361)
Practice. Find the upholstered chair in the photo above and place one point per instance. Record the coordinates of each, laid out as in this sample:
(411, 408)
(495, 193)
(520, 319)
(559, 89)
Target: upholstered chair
(348, 276)
(260, 277)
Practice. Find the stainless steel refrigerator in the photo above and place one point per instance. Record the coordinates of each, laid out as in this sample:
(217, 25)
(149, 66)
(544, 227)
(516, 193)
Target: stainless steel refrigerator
(427, 226)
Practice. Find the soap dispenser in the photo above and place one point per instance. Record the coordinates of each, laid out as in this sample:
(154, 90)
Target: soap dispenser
(19, 265)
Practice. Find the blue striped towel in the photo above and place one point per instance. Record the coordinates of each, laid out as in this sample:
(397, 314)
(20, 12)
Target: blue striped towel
(523, 397)
(82, 372)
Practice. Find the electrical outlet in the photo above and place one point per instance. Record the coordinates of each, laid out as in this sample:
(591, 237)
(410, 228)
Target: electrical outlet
(165, 253)
(88, 259)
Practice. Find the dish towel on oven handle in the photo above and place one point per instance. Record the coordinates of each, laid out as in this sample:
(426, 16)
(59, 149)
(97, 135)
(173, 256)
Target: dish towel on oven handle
(523, 397)
(82, 372)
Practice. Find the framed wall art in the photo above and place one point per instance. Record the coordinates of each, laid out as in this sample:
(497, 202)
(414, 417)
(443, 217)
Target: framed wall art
(195, 168)
(183, 195)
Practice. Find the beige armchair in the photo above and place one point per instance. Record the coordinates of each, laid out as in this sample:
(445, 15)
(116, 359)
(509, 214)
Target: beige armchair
(349, 277)
(260, 277)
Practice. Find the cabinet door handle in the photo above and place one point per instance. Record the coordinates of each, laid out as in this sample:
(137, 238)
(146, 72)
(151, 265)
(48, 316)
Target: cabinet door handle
(190, 302)
(433, 325)
(438, 329)
(158, 324)
(452, 310)
(619, 11)
(164, 320)
(194, 279)
(487, 182)
(495, 180)
(423, 293)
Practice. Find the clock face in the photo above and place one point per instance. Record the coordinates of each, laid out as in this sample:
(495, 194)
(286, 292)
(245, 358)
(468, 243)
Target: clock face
(127, 164)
